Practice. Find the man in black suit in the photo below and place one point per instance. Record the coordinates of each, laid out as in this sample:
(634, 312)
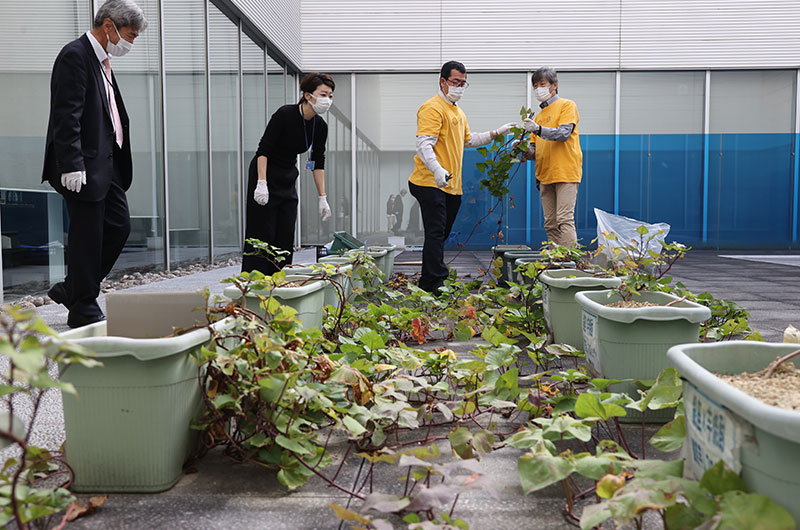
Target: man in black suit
(88, 155)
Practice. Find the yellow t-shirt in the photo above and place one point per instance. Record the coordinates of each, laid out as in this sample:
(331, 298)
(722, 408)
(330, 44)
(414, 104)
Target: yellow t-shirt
(448, 123)
(558, 161)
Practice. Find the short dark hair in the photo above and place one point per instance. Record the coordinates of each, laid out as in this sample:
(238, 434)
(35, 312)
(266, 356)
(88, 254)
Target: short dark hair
(545, 73)
(449, 66)
(313, 80)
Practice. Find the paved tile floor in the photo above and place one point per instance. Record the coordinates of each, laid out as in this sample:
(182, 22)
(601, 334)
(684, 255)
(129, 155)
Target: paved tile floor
(222, 494)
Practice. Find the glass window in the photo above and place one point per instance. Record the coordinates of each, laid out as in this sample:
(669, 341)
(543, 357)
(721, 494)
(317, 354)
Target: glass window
(386, 110)
(225, 158)
(32, 215)
(187, 157)
(276, 91)
(140, 82)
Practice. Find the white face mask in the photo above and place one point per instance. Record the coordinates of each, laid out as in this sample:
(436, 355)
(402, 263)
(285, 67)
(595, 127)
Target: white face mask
(542, 93)
(454, 93)
(322, 105)
(120, 48)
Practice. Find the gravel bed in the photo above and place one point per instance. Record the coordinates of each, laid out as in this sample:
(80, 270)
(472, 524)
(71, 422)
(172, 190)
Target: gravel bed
(131, 279)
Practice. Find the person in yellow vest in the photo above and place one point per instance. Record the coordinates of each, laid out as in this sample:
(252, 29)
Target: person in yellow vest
(442, 135)
(556, 148)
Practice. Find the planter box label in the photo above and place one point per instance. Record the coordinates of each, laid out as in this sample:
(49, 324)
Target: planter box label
(591, 346)
(546, 306)
(712, 432)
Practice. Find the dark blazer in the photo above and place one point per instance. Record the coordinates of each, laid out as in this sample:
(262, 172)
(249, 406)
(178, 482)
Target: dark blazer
(80, 133)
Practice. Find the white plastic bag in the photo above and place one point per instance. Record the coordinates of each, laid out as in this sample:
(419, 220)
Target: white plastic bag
(625, 230)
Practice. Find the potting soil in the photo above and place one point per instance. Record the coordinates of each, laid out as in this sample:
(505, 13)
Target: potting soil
(781, 390)
(628, 304)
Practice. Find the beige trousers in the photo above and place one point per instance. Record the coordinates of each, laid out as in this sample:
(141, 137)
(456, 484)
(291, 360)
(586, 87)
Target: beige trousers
(558, 207)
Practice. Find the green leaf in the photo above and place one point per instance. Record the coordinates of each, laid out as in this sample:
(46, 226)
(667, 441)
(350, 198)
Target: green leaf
(642, 230)
(462, 332)
(671, 436)
(594, 515)
(372, 340)
(482, 442)
(353, 426)
(222, 400)
(640, 495)
(497, 358)
(493, 336)
(602, 384)
(752, 510)
(658, 469)
(565, 427)
(459, 441)
(292, 445)
(594, 467)
(718, 479)
(293, 478)
(682, 517)
(665, 393)
(539, 470)
(589, 406)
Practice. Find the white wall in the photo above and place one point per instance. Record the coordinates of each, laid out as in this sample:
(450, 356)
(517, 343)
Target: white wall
(279, 20)
(419, 35)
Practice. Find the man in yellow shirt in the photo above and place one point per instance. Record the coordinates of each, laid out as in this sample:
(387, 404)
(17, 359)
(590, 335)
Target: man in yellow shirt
(442, 134)
(555, 146)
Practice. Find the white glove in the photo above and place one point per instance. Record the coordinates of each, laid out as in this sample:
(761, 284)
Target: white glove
(504, 129)
(324, 209)
(74, 180)
(261, 195)
(441, 177)
(531, 126)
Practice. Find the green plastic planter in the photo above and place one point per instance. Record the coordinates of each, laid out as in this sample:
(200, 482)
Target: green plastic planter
(509, 263)
(632, 343)
(341, 276)
(561, 312)
(388, 263)
(760, 441)
(498, 251)
(527, 261)
(379, 257)
(355, 281)
(128, 429)
(306, 299)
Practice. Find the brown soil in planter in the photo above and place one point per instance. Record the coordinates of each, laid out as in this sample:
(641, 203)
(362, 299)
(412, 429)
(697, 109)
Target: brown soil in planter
(781, 390)
(291, 284)
(630, 304)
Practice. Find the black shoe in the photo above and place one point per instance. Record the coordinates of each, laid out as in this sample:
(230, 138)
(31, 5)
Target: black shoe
(58, 294)
(75, 320)
(433, 289)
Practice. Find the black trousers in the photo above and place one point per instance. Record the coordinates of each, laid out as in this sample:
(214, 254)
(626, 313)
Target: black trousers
(439, 210)
(274, 222)
(97, 234)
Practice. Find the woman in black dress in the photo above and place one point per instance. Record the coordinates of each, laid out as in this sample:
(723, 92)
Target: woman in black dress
(271, 192)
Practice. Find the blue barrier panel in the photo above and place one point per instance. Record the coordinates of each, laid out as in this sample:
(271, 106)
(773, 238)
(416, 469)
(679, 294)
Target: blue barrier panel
(750, 190)
(597, 186)
(661, 180)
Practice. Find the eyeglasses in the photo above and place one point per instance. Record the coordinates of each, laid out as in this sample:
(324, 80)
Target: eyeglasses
(456, 83)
